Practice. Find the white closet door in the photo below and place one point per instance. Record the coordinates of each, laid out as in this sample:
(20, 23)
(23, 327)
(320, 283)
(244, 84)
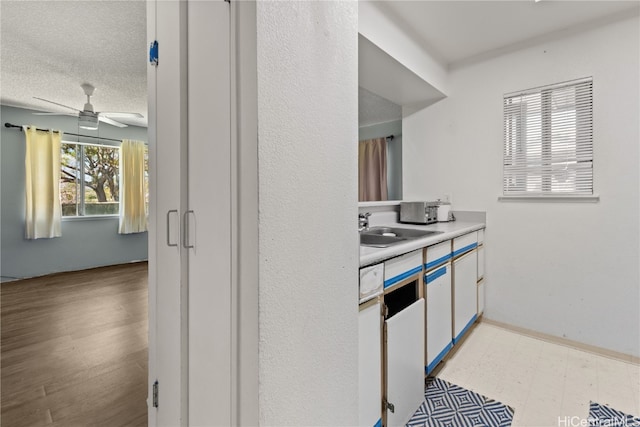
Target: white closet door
(167, 262)
(208, 220)
(405, 363)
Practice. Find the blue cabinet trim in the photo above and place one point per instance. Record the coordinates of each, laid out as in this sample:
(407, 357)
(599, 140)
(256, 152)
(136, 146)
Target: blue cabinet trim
(402, 276)
(433, 276)
(437, 262)
(438, 358)
(465, 249)
(378, 423)
(465, 329)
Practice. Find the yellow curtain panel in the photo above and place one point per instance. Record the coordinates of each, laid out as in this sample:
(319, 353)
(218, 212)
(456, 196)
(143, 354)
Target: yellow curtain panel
(42, 184)
(133, 218)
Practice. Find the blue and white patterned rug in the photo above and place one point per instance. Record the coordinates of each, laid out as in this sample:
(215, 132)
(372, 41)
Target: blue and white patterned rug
(449, 405)
(601, 415)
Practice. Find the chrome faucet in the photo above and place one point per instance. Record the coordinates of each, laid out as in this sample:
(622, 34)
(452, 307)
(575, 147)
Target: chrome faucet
(363, 221)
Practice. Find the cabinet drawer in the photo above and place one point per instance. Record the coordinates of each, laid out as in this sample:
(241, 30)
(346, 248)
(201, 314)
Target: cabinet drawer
(398, 269)
(371, 282)
(437, 254)
(465, 243)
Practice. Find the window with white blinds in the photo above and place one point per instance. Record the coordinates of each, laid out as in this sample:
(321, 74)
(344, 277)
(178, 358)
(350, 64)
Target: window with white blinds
(548, 140)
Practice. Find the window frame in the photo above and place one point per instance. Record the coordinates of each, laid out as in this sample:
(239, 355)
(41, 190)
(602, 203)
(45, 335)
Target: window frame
(81, 185)
(516, 145)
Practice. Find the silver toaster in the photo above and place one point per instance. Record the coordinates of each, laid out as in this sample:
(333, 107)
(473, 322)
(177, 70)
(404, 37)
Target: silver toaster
(419, 212)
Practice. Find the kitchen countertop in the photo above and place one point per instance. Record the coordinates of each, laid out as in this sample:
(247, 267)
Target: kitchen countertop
(370, 255)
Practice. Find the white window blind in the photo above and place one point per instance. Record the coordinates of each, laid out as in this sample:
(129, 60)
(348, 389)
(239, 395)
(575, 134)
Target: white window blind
(548, 140)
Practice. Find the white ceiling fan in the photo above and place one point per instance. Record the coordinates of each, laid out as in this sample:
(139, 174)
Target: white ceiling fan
(87, 117)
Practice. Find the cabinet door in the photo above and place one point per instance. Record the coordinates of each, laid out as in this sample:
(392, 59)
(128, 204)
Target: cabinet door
(481, 286)
(480, 262)
(438, 295)
(207, 223)
(465, 273)
(370, 365)
(405, 363)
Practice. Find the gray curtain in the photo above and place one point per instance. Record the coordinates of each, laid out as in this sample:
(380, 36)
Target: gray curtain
(372, 170)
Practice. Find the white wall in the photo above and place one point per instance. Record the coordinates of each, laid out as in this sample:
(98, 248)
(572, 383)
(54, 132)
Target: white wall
(566, 269)
(308, 241)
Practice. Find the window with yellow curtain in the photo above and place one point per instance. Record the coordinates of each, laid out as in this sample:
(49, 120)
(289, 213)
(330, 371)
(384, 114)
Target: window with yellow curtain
(42, 175)
(133, 216)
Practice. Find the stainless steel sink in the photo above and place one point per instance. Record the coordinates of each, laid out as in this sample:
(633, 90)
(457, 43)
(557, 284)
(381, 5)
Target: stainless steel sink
(405, 233)
(382, 237)
(378, 241)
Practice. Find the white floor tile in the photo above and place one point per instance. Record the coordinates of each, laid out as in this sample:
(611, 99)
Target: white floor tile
(542, 381)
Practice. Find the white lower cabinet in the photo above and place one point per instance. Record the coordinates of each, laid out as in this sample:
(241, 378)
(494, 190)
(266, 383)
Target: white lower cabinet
(465, 294)
(404, 363)
(370, 365)
(480, 297)
(438, 318)
(480, 262)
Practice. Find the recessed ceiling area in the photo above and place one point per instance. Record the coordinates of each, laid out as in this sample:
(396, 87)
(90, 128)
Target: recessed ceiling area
(455, 32)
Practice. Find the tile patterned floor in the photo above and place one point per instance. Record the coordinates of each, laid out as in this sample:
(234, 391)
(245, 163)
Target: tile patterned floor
(450, 405)
(545, 383)
(601, 416)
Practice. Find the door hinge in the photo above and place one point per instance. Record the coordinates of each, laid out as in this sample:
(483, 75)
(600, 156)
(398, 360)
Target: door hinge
(155, 394)
(390, 406)
(153, 53)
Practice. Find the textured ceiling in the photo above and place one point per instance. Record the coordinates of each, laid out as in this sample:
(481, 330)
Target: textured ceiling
(374, 109)
(49, 48)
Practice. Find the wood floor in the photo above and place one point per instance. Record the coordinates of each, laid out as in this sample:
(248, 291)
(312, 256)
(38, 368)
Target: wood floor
(74, 349)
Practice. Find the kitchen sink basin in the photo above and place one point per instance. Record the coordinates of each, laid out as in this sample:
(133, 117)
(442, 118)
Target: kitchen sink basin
(382, 237)
(403, 233)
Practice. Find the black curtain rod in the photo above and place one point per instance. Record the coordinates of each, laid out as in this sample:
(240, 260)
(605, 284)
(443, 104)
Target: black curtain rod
(390, 137)
(9, 125)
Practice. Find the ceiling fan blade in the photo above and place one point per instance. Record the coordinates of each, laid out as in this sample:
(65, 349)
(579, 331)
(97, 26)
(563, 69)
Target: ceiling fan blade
(111, 122)
(56, 103)
(55, 114)
(122, 115)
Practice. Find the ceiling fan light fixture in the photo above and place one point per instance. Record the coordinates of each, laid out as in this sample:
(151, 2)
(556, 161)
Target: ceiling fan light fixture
(87, 121)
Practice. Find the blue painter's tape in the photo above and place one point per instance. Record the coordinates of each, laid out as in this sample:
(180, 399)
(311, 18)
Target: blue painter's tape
(402, 276)
(438, 358)
(465, 249)
(379, 423)
(437, 262)
(465, 329)
(433, 276)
